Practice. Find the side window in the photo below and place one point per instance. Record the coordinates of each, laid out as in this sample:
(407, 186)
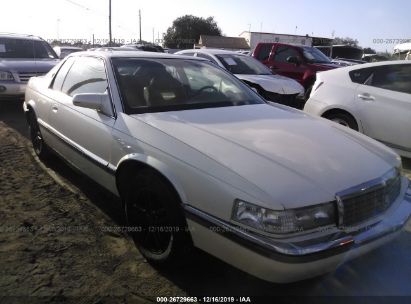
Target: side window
(87, 75)
(392, 77)
(264, 52)
(61, 74)
(201, 55)
(282, 52)
(361, 76)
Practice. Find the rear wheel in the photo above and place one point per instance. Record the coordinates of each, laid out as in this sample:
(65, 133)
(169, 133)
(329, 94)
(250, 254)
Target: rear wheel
(154, 213)
(343, 119)
(39, 146)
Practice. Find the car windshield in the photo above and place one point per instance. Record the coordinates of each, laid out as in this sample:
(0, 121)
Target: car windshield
(25, 49)
(313, 55)
(240, 64)
(157, 85)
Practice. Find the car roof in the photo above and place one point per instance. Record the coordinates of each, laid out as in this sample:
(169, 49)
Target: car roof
(135, 54)
(343, 70)
(19, 36)
(69, 47)
(212, 51)
(373, 64)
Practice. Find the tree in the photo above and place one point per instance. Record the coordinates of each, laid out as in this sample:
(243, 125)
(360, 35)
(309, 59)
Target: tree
(186, 31)
(369, 50)
(345, 41)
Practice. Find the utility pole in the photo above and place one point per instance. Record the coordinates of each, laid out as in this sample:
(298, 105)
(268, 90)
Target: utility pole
(109, 22)
(139, 21)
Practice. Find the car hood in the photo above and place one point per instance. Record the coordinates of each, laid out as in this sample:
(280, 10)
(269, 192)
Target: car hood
(274, 83)
(30, 66)
(297, 160)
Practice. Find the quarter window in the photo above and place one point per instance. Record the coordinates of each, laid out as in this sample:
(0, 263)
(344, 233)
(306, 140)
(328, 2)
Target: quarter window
(361, 76)
(61, 74)
(87, 75)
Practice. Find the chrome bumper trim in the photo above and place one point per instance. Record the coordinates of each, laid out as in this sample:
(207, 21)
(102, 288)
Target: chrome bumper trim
(302, 252)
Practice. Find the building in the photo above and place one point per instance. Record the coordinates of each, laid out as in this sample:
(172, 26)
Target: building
(253, 38)
(221, 42)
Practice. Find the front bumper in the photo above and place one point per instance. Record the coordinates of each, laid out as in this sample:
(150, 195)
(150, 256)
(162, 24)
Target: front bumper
(285, 261)
(11, 89)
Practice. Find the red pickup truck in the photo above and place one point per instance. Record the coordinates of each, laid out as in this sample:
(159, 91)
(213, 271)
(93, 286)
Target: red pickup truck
(295, 61)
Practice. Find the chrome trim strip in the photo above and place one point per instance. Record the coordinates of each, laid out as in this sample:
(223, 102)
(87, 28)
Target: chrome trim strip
(91, 156)
(368, 186)
(398, 147)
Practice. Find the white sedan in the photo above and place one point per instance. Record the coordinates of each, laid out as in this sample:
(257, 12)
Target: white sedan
(275, 88)
(373, 98)
(200, 159)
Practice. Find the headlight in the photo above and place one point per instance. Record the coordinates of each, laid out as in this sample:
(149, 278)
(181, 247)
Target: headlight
(6, 76)
(285, 221)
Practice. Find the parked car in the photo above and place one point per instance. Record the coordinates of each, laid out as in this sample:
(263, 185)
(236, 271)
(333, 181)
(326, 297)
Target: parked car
(198, 158)
(295, 61)
(112, 48)
(275, 88)
(374, 58)
(373, 98)
(63, 51)
(145, 47)
(343, 52)
(22, 57)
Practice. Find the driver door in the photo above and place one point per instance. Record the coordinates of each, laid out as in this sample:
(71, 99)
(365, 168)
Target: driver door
(83, 136)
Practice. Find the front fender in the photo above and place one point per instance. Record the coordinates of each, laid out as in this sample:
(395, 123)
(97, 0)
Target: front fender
(158, 166)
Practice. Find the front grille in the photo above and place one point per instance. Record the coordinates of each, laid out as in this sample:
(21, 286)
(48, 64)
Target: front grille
(285, 99)
(368, 203)
(25, 76)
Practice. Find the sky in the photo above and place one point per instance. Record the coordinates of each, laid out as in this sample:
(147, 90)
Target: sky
(376, 24)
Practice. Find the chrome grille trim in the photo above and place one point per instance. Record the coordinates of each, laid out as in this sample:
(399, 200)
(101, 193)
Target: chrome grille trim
(25, 76)
(368, 200)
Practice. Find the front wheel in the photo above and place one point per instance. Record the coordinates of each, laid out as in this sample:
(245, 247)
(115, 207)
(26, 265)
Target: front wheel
(155, 217)
(39, 146)
(344, 119)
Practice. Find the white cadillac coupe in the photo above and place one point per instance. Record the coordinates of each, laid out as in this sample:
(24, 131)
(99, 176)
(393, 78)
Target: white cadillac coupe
(200, 159)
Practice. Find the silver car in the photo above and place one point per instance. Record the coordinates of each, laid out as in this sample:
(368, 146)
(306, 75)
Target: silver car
(22, 57)
(199, 159)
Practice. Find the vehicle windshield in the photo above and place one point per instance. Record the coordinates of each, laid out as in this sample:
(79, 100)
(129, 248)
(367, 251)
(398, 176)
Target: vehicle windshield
(240, 64)
(313, 55)
(157, 85)
(25, 49)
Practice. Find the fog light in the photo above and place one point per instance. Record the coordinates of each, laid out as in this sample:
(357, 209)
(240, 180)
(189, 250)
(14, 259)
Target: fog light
(2, 89)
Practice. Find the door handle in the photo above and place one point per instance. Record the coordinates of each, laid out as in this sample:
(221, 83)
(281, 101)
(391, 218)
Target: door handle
(366, 97)
(273, 67)
(54, 108)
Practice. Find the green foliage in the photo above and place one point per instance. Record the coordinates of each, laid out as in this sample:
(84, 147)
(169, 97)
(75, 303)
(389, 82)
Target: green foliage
(345, 41)
(369, 50)
(186, 31)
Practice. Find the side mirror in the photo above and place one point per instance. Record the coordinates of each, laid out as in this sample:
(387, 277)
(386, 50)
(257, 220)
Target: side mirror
(293, 60)
(89, 100)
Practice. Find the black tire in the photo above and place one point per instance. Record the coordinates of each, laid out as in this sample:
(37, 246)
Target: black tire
(39, 146)
(344, 119)
(154, 213)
